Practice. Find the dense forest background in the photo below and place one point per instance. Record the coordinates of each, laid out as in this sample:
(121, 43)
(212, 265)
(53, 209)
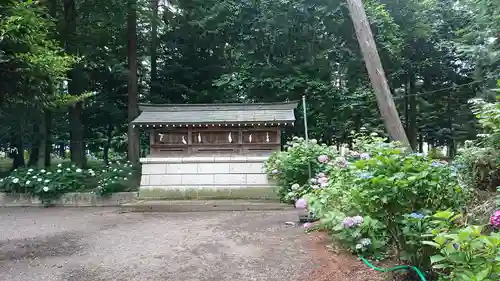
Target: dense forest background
(73, 71)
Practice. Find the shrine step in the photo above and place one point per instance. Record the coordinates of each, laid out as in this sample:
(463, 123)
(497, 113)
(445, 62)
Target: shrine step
(203, 205)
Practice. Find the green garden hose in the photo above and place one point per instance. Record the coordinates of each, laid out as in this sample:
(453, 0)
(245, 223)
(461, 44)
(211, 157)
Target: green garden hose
(399, 267)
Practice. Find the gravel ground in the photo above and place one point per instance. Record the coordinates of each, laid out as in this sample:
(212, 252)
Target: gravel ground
(99, 244)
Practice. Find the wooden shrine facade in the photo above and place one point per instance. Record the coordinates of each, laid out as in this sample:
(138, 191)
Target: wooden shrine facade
(215, 129)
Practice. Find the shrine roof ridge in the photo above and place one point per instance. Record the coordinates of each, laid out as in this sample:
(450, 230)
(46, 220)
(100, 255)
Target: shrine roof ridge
(287, 105)
(216, 113)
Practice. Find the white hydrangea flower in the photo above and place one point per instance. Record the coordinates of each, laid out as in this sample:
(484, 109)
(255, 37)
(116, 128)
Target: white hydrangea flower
(68, 169)
(59, 170)
(28, 182)
(30, 170)
(46, 181)
(45, 188)
(78, 170)
(314, 141)
(42, 171)
(15, 180)
(59, 165)
(39, 179)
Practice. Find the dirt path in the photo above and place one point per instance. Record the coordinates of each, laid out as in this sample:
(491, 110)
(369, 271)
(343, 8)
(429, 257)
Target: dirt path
(336, 265)
(103, 245)
(93, 244)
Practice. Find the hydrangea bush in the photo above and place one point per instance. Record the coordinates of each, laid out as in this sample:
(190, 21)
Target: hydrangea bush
(379, 197)
(50, 184)
(291, 167)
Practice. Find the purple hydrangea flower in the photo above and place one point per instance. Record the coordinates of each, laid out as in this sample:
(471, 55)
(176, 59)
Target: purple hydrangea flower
(341, 161)
(365, 175)
(358, 220)
(354, 153)
(348, 222)
(323, 159)
(324, 184)
(301, 203)
(322, 180)
(321, 175)
(495, 219)
(417, 215)
(364, 156)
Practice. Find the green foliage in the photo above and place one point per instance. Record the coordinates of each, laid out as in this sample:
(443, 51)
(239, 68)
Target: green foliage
(292, 166)
(480, 160)
(465, 252)
(361, 235)
(50, 184)
(114, 177)
(379, 197)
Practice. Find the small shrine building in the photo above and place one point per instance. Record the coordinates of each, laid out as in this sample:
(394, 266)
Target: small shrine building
(211, 150)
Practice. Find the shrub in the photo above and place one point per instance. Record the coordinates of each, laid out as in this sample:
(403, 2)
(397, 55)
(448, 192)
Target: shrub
(50, 184)
(361, 235)
(465, 252)
(116, 178)
(291, 166)
(394, 188)
(480, 159)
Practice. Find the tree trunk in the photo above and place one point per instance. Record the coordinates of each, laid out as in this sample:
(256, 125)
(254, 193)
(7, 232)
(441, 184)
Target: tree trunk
(107, 145)
(75, 87)
(43, 143)
(35, 144)
(412, 112)
(133, 133)
(154, 44)
(451, 139)
(45, 147)
(48, 135)
(17, 151)
(62, 150)
(376, 72)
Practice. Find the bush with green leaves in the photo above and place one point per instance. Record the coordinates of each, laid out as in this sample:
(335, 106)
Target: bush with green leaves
(116, 177)
(359, 234)
(291, 166)
(465, 253)
(393, 187)
(50, 184)
(479, 160)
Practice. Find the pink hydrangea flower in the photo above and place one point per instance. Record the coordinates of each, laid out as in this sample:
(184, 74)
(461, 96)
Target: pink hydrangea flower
(301, 203)
(323, 159)
(495, 219)
(322, 180)
(321, 175)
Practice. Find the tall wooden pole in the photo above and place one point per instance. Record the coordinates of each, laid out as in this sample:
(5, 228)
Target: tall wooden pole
(376, 71)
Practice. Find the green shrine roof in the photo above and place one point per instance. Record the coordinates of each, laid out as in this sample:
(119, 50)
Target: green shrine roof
(216, 114)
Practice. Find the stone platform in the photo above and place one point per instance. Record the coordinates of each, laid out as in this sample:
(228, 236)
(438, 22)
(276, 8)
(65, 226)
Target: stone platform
(212, 177)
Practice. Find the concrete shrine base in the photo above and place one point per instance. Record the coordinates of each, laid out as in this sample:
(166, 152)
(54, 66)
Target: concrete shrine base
(216, 177)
